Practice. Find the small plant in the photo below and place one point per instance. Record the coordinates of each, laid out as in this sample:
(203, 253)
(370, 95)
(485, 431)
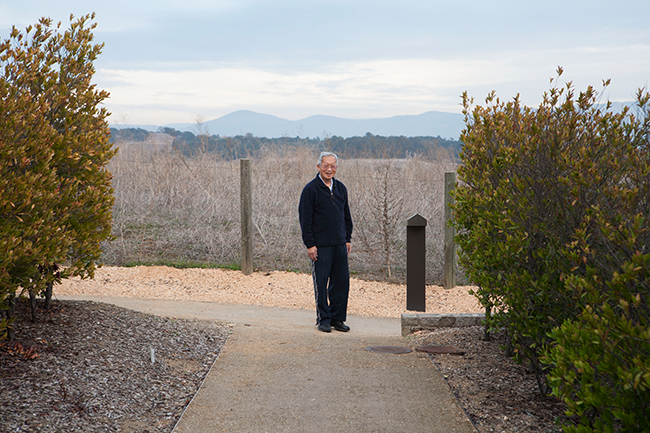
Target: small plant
(5, 326)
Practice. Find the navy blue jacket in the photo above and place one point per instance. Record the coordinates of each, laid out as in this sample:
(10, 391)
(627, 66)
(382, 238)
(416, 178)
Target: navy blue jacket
(324, 216)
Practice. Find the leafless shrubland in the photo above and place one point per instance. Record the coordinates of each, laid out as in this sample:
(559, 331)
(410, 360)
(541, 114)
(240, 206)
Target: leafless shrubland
(172, 209)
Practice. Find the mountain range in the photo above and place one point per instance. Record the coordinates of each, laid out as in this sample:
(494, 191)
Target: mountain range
(431, 123)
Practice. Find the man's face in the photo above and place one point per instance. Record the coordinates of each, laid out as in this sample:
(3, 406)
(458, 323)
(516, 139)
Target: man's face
(327, 167)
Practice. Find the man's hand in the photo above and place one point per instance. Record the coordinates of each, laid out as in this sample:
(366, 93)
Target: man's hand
(348, 246)
(312, 253)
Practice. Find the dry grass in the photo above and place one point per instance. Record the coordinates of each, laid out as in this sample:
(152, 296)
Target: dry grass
(174, 209)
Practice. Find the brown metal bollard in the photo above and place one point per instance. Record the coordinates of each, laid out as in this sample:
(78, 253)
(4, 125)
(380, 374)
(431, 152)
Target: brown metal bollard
(416, 263)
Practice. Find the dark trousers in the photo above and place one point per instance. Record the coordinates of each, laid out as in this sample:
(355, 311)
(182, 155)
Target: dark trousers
(331, 283)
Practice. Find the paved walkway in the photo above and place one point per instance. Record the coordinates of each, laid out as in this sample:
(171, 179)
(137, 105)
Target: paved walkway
(278, 373)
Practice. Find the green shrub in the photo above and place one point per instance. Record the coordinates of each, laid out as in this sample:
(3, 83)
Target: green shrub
(601, 359)
(55, 192)
(30, 196)
(528, 180)
(601, 370)
(83, 148)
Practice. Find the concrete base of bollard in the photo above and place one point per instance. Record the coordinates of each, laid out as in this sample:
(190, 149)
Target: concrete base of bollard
(413, 322)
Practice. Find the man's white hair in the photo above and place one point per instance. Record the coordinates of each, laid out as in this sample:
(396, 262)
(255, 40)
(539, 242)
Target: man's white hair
(324, 154)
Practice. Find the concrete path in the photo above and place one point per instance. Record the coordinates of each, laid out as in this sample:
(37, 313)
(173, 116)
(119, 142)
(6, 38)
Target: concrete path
(278, 373)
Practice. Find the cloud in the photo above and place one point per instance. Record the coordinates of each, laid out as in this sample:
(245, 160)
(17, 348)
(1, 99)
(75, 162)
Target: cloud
(167, 61)
(347, 89)
(375, 88)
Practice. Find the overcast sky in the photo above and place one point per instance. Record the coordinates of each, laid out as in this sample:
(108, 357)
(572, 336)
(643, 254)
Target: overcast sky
(171, 61)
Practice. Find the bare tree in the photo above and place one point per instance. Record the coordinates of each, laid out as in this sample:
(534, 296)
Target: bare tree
(381, 215)
(202, 131)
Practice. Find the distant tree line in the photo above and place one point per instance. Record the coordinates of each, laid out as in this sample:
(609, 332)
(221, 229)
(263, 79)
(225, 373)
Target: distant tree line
(129, 134)
(242, 146)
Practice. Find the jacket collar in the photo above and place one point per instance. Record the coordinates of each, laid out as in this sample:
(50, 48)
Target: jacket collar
(322, 183)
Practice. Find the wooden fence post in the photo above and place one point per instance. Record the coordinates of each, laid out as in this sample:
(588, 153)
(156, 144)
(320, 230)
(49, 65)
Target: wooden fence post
(246, 198)
(450, 233)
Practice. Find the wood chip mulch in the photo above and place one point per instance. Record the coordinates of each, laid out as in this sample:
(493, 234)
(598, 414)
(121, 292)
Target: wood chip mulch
(497, 394)
(87, 366)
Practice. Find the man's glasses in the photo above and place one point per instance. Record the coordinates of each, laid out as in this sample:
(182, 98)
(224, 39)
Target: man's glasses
(327, 167)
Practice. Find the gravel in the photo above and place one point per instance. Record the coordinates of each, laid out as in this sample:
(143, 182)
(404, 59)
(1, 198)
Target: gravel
(273, 289)
(87, 366)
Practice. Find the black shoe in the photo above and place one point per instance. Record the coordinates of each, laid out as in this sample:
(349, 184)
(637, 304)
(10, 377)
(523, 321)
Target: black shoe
(340, 326)
(324, 327)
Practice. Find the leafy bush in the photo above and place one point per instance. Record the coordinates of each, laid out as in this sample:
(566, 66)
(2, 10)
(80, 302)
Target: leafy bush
(601, 359)
(83, 148)
(529, 179)
(601, 370)
(56, 194)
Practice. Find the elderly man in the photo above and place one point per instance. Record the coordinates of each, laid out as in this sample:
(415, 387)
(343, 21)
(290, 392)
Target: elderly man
(326, 231)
